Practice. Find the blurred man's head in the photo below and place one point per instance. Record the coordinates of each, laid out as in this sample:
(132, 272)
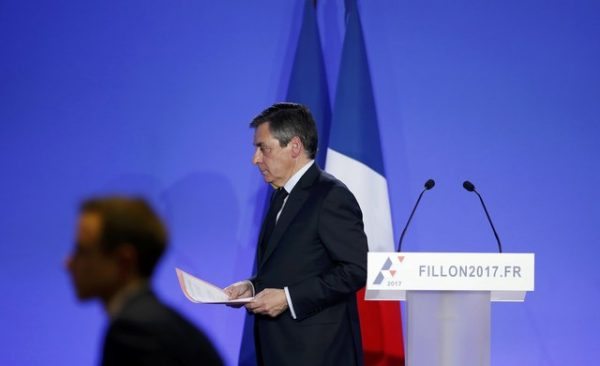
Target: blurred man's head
(119, 240)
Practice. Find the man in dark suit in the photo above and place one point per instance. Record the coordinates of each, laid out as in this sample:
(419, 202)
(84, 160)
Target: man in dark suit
(311, 253)
(119, 242)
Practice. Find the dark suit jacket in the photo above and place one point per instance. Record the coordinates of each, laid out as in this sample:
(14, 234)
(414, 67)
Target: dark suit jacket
(318, 249)
(146, 332)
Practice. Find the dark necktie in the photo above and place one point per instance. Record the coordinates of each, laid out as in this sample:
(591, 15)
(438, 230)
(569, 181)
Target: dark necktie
(271, 219)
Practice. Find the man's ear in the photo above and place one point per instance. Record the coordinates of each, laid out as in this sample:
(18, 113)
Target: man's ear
(296, 146)
(128, 258)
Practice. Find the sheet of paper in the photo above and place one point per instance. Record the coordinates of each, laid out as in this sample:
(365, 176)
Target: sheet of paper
(197, 290)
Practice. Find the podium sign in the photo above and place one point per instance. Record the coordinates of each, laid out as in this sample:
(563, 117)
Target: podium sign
(448, 299)
(508, 276)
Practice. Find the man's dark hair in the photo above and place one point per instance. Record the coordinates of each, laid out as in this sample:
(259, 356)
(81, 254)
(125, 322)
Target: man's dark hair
(131, 221)
(287, 120)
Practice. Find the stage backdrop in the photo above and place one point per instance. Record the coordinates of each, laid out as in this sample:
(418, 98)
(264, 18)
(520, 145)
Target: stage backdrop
(155, 97)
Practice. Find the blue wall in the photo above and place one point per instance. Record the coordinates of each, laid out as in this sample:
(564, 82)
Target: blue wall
(154, 97)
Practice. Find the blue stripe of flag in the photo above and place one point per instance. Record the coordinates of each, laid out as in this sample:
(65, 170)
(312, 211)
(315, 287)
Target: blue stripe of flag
(308, 80)
(354, 129)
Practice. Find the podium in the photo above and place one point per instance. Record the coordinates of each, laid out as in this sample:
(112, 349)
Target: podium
(448, 297)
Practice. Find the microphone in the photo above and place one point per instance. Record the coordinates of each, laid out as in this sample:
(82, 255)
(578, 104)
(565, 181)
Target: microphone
(428, 185)
(471, 188)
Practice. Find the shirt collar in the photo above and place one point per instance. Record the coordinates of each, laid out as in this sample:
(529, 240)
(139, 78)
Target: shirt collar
(291, 183)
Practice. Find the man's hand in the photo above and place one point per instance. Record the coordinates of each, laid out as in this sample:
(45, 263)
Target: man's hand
(239, 290)
(270, 301)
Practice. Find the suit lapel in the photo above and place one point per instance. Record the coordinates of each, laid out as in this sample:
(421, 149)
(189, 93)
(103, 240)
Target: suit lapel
(263, 227)
(294, 203)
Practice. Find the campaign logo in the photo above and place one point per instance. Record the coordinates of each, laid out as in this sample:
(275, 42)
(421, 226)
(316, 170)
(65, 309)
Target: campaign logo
(389, 269)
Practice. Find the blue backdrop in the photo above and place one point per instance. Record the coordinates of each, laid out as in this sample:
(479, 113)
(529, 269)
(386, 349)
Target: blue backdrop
(154, 97)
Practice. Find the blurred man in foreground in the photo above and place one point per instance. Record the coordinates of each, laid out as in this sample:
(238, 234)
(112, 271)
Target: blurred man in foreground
(119, 242)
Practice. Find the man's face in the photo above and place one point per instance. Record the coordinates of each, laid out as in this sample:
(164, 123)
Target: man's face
(94, 272)
(276, 164)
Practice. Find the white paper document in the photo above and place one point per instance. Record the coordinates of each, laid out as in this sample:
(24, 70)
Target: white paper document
(197, 290)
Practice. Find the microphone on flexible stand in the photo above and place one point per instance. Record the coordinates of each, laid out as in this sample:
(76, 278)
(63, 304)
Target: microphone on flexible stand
(471, 188)
(428, 185)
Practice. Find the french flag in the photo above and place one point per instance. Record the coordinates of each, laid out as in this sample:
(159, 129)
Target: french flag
(354, 156)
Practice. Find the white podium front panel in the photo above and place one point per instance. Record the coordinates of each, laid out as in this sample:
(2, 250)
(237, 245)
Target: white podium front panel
(508, 276)
(448, 328)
